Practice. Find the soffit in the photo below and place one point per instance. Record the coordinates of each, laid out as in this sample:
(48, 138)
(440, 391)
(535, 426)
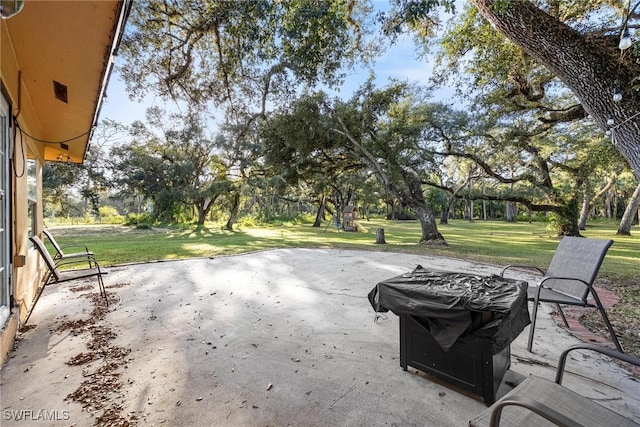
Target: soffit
(65, 44)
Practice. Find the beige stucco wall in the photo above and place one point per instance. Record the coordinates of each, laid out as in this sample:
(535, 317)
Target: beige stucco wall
(26, 278)
(7, 336)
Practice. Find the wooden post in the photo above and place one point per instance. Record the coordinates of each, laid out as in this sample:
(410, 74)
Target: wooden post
(380, 236)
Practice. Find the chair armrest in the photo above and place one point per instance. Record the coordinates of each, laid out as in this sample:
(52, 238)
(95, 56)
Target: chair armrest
(568, 279)
(527, 267)
(86, 256)
(536, 407)
(84, 259)
(597, 348)
(59, 253)
(85, 247)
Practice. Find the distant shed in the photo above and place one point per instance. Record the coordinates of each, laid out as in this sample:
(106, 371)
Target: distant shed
(350, 218)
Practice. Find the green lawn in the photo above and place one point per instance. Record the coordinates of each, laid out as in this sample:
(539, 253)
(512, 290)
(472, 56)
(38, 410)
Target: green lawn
(487, 241)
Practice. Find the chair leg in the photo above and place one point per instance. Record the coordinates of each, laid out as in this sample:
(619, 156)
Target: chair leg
(532, 327)
(564, 319)
(35, 301)
(103, 291)
(614, 337)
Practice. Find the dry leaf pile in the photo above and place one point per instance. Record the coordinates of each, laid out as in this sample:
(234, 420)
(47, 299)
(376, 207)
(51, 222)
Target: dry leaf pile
(98, 390)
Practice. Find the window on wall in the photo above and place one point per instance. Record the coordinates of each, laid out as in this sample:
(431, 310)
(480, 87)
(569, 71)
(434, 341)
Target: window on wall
(32, 196)
(5, 232)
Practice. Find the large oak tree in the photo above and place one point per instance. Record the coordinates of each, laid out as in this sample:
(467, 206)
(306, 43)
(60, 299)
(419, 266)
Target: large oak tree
(577, 42)
(175, 167)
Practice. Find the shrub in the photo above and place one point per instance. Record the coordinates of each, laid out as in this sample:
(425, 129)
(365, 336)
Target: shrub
(109, 215)
(249, 221)
(107, 211)
(118, 219)
(138, 220)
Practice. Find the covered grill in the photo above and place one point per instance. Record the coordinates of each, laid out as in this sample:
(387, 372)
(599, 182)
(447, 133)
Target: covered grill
(456, 326)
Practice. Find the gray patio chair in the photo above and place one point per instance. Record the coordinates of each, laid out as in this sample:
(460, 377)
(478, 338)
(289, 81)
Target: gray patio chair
(55, 275)
(60, 254)
(569, 280)
(540, 402)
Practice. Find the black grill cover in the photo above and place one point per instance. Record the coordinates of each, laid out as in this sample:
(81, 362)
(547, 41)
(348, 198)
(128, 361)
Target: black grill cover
(447, 303)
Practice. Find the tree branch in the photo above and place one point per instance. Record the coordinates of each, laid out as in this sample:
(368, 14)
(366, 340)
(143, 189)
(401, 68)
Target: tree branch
(537, 207)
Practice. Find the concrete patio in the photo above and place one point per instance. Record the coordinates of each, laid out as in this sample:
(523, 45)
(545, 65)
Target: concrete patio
(275, 338)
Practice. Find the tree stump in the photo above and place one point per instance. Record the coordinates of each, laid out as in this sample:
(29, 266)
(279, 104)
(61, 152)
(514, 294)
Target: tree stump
(380, 236)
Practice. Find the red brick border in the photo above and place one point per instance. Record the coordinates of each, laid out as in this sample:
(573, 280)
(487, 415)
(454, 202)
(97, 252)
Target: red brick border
(573, 314)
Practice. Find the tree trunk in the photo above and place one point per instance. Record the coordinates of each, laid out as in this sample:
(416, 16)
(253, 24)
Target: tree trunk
(484, 205)
(233, 216)
(469, 200)
(430, 233)
(469, 208)
(567, 221)
(320, 212)
(511, 209)
(380, 236)
(203, 210)
(391, 209)
(446, 211)
(201, 214)
(413, 198)
(338, 216)
(627, 218)
(590, 66)
(584, 211)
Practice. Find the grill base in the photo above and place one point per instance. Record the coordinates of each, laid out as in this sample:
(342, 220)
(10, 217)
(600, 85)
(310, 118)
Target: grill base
(468, 364)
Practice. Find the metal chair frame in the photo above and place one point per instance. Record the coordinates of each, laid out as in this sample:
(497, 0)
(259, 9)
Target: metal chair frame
(55, 275)
(569, 280)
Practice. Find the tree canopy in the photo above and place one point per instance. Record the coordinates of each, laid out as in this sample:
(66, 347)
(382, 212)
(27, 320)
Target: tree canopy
(178, 168)
(241, 55)
(578, 42)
